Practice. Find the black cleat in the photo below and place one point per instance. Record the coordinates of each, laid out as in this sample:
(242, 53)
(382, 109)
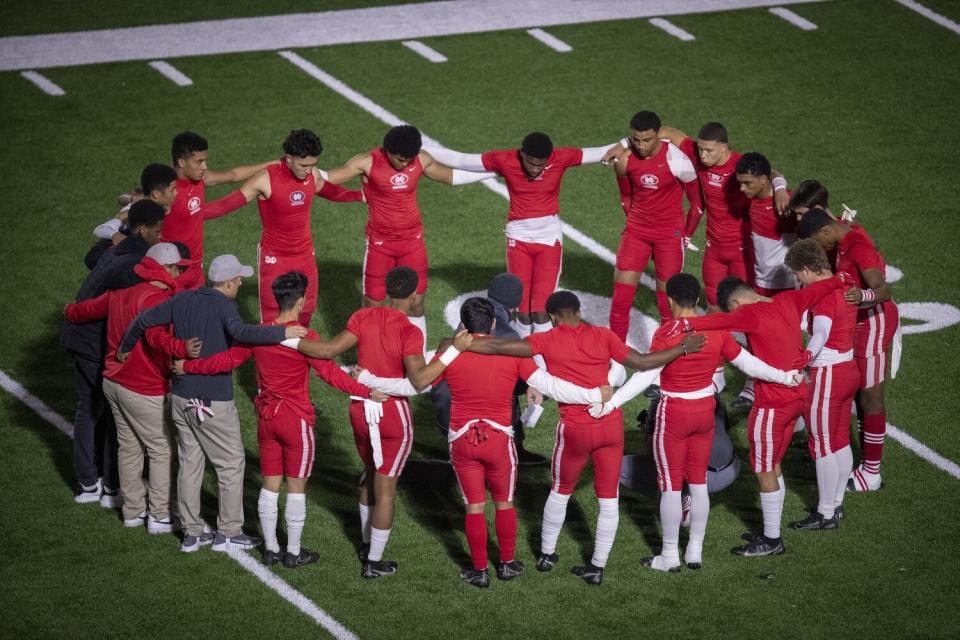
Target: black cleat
(547, 561)
(749, 536)
(814, 522)
(364, 552)
(649, 562)
(509, 570)
(302, 559)
(377, 568)
(590, 574)
(694, 565)
(477, 578)
(760, 547)
(271, 558)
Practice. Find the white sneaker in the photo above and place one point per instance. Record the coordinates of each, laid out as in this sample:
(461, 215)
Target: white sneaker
(89, 495)
(110, 499)
(661, 563)
(155, 526)
(131, 523)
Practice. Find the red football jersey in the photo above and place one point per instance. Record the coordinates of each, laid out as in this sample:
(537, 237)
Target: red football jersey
(286, 214)
(843, 319)
(384, 337)
(392, 199)
(580, 355)
(855, 254)
(727, 219)
(184, 222)
(536, 197)
(766, 222)
(656, 206)
(694, 371)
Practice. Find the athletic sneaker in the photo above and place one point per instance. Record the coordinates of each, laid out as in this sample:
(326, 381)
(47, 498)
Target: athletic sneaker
(759, 547)
(590, 574)
(302, 559)
(271, 558)
(193, 543)
(546, 561)
(89, 495)
(860, 480)
(132, 523)
(110, 498)
(509, 570)
(155, 526)
(476, 578)
(378, 568)
(235, 543)
(814, 522)
(660, 563)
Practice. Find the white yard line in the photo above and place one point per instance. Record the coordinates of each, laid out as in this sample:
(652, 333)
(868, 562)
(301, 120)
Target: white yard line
(924, 451)
(551, 41)
(46, 84)
(262, 574)
(943, 21)
(794, 19)
(672, 29)
(170, 72)
(374, 24)
(429, 53)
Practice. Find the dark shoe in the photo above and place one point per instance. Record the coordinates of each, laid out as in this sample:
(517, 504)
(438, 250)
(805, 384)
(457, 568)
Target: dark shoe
(378, 568)
(814, 522)
(529, 458)
(658, 563)
(477, 578)
(749, 536)
(590, 574)
(271, 558)
(653, 391)
(509, 570)
(694, 565)
(238, 542)
(838, 514)
(364, 552)
(303, 558)
(761, 546)
(546, 561)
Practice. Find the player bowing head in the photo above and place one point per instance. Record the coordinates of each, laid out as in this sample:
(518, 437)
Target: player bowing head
(402, 144)
(645, 133)
(401, 284)
(713, 145)
(159, 184)
(301, 150)
(534, 153)
(563, 305)
(733, 292)
(477, 315)
(753, 174)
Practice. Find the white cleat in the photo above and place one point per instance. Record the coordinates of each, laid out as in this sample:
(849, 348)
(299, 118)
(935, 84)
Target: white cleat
(860, 480)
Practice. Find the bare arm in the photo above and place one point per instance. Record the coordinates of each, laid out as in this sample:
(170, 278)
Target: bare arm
(675, 136)
(502, 347)
(358, 165)
(876, 281)
(657, 359)
(327, 349)
(256, 186)
(236, 174)
(422, 374)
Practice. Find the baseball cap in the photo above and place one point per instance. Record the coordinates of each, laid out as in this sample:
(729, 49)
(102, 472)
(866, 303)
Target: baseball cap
(167, 253)
(507, 289)
(227, 267)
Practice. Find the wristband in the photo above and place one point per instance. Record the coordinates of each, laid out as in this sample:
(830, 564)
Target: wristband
(323, 174)
(449, 355)
(625, 143)
(291, 343)
(779, 183)
(869, 295)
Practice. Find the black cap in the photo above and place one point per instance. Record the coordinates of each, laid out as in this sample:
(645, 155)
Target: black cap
(507, 289)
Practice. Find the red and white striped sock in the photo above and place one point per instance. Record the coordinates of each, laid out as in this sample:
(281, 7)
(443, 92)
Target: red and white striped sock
(874, 430)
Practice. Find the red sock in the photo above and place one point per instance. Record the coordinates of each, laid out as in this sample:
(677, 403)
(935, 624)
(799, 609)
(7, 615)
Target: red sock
(620, 308)
(506, 522)
(476, 527)
(663, 306)
(874, 428)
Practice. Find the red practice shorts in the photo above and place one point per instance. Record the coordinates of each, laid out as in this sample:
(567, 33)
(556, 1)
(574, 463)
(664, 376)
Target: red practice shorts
(538, 267)
(829, 400)
(383, 255)
(722, 260)
(484, 455)
(601, 441)
(396, 435)
(682, 439)
(192, 278)
(286, 445)
(271, 266)
(635, 251)
(769, 430)
(872, 340)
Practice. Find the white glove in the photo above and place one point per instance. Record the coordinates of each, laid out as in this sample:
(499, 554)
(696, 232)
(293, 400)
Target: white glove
(291, 343)
(687, 244)
(793, 378)
(598, 411)
(372, 411)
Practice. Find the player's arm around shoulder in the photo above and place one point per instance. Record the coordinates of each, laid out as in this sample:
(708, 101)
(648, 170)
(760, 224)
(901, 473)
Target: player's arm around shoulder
(672, 135)
(257, 186)
(236, 174)
(358, 165)
(621, 161)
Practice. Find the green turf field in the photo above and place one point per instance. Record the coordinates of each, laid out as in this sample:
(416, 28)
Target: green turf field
(867, 103)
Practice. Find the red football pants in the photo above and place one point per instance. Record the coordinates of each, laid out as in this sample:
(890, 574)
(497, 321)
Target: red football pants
(271, 266)
(600, 441)
(538, 266)
(682, 439)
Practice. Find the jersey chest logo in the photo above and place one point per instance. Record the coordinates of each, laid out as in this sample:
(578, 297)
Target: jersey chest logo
(399, 180)
(649, 181)
(715, 179)
(193, 204)
(297, 198)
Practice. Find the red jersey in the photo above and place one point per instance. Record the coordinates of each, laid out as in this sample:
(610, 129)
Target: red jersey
(693, 371)
(843, 318)
(532, 197)
(184, 222)
(580, 355)
(286, 213)
(482, 386)
(384, 337)
(855, 254)
(766, 222)
(656, 202)
(392, 199)
(282, 375)
(727, 219)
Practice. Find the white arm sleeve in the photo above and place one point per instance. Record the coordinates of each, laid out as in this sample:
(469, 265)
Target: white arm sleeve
(106, 230)
(456, 160)
(401, 387)
(680, 164)
(593, 155)
(757, 368)
(634, 387)
(468, 177)
(821, 331)
(561, 390)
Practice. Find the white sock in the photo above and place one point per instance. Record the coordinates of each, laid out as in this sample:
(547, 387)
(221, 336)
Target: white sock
(522, 329)
(719, 380)
(844, 469)
(267, 511)
(772, 507)
(420, 322)
(541, 327)
(378, 542)
(747, 390)
(799, 425)
(295, 514)
(782, 490)
(607, 520)
(554, 513)
(699, 512)
(364, 523)
(671, 512)
(826, 484)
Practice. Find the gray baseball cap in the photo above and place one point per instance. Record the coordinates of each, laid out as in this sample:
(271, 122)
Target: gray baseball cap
(227, 267)
(166, 253)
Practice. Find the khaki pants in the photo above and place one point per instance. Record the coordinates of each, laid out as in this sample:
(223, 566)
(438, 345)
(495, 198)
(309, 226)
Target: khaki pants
(143, 427)
(217, 438)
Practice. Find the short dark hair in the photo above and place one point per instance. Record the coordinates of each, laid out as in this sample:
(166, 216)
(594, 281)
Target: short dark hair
(183, 249)
(537, 145)
(713, 132)
(728, 287)
(477, 315)
(563, 301)
(809, 194)
(156, 177)
(807, 254)
(684, 289)
(644, 120)
(403, 140)
(756, 164)
(144, 213)
(401, 282)
(289, 288)
(812, 221)
(186, 144)
(302, 143)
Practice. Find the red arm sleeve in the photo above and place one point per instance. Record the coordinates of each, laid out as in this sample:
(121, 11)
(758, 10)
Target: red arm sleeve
(626, 192)
(159, 339)
(536, 342)
(224, 205)
(88, 310)
(219, 363)
(618, 348)
(695, 212)
(811, 295)
(333, 375)
(743, 319)
(336, 193)
(730, 348)
(526, 367)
